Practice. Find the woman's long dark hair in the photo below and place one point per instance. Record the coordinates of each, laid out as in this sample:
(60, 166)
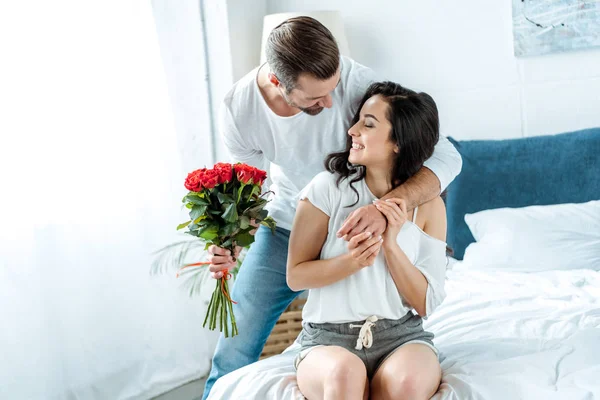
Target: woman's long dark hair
(415, 130)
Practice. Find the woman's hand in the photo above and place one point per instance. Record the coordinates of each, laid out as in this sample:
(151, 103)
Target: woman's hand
(396, 214)
(364, 248)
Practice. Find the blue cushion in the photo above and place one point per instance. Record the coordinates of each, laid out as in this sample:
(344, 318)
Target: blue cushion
(541, 170)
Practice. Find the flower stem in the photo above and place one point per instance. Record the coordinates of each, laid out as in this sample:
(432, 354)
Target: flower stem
(234, 330)
(212, 299)
(224, 312)
(226, 319)
(220, 309)
(215, 307)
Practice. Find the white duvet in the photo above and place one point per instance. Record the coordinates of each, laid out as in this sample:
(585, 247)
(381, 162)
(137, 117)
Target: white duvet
(501, 335)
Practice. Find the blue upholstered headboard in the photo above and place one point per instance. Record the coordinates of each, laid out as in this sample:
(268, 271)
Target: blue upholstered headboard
(563, 168)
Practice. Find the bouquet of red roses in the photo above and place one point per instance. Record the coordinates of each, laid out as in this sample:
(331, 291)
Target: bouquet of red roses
(224, 204)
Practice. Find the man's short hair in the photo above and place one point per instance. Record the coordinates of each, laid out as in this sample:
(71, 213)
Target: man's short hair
(302, 45)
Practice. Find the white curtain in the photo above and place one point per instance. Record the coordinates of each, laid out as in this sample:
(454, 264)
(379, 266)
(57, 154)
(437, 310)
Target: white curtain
(90, 184)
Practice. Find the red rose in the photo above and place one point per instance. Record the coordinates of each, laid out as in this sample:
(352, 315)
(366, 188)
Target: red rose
(259, 176)
(210, 179)
(248, 174)
(193, 182)
(244, 172)
(225, 171)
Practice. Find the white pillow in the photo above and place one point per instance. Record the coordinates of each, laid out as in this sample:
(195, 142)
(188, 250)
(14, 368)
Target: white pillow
(536, 238)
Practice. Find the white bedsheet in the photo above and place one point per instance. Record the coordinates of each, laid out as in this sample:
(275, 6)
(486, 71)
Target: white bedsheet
(501, 336)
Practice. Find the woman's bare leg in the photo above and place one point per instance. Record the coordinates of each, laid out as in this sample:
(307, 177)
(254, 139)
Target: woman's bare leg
(411, 372)
(332, 372)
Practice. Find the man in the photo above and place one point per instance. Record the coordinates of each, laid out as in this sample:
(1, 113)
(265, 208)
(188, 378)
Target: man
(292, 112)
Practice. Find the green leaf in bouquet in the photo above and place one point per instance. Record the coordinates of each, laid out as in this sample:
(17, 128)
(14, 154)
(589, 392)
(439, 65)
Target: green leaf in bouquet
(195, 199)
(199, 219)
(225, 198)
(255, 205)
(243, 192)
(194, 227)
(183, 225)
(263, 214)
(244, 239)
(208, 232)
(257, 214)
(193, 233)
(270, 223)
(197, 211)
(227, 243)
(230, 214)
(244, 222)
(254, 208)
(229, 229)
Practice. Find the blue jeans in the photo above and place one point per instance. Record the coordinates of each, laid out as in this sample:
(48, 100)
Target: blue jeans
(262, 294)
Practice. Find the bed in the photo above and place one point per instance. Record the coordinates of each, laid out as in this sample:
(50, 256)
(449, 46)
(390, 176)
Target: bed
(522, 323)
(501, 336)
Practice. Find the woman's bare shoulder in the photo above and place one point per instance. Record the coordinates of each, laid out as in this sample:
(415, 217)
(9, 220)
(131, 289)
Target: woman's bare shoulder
(433, 217)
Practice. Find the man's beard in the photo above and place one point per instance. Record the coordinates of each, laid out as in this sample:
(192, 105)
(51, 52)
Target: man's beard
(312, 110)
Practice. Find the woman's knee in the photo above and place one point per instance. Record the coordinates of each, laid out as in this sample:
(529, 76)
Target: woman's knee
(409, 385)
(348, 371)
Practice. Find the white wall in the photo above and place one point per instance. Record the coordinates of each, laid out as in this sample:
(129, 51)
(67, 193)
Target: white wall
(182, 51)
(180, 31)
(462, 54)
(245, 33)
(232, 52)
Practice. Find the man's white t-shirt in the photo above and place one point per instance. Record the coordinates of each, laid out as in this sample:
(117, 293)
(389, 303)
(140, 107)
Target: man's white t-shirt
(293, 149)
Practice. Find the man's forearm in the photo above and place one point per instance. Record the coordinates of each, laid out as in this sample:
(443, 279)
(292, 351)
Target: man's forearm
(420, 188)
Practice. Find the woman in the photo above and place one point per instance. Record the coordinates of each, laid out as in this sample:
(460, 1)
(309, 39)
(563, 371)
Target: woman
(360, 336)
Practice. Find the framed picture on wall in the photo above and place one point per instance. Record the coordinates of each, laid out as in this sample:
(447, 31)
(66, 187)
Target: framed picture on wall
(550, 26)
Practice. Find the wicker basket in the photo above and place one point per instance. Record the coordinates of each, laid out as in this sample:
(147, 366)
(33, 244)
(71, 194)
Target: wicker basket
(286, 329)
